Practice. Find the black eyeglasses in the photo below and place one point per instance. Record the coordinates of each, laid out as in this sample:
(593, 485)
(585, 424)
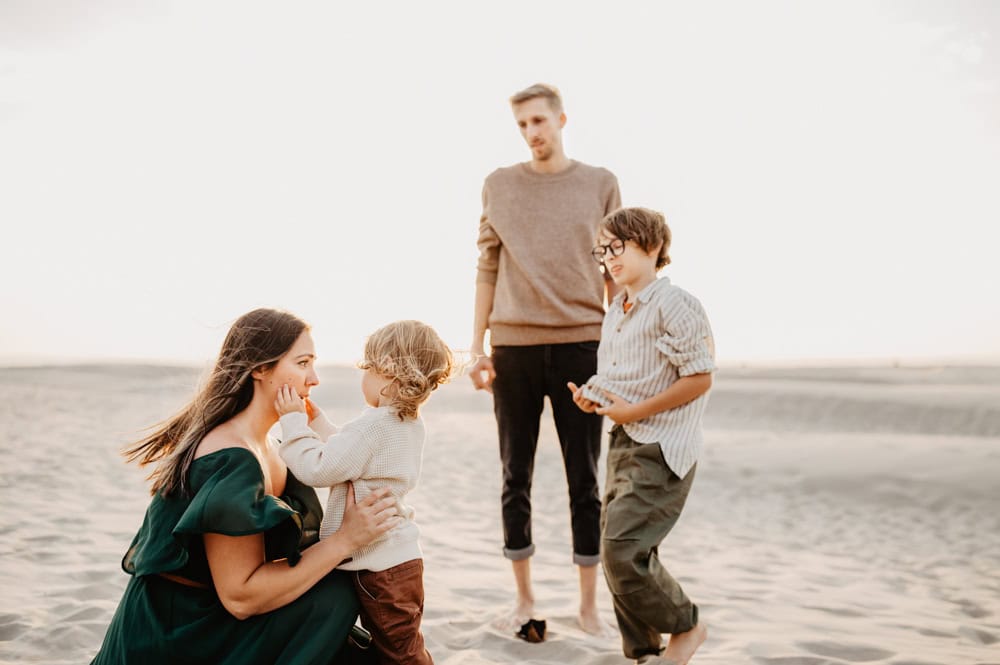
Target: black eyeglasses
(615, 247)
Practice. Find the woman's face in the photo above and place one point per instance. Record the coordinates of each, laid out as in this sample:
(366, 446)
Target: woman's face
(297, 369)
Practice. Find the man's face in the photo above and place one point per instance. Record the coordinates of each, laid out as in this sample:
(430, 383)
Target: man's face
(541, 127)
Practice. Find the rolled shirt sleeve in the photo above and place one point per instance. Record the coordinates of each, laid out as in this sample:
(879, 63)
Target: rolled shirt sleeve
(687, 343)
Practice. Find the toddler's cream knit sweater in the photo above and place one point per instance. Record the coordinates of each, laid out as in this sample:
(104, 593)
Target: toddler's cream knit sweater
(374, 450)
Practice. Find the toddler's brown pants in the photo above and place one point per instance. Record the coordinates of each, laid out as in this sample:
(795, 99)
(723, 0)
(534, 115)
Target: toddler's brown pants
(392, 604)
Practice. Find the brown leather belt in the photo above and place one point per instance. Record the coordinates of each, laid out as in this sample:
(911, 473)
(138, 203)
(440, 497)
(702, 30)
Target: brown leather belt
(183, 580)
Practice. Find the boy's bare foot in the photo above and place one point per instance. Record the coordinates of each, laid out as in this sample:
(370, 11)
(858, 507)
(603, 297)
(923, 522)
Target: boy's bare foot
(592, 623)
(683, 645)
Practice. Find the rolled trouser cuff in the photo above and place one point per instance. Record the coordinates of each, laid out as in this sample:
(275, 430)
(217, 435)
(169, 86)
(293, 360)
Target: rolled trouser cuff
(586, 559)
(518, 555)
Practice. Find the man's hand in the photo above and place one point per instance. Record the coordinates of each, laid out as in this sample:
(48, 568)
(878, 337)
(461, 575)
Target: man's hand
(288, 401)
(482, 374)
(619, 410)
(582, 402)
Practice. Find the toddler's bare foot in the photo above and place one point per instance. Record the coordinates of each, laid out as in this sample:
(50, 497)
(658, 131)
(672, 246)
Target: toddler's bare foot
(683, 645)
(592, 623)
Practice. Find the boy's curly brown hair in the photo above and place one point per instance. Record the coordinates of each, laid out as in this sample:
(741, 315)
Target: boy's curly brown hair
(646, 228)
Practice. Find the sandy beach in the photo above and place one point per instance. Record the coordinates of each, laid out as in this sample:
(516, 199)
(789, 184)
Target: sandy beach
(838, 516)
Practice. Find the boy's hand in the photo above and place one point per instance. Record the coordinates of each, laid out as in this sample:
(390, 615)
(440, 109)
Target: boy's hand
(619, 410)
(582, 402)
(288, 401)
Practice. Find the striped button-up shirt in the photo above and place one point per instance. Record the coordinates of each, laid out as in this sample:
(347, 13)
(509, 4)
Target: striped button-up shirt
(663, 336)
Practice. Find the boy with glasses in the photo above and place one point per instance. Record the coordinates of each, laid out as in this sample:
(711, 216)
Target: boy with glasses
(654, 370)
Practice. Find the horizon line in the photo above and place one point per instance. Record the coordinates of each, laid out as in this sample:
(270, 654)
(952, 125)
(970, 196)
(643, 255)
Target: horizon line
(55, 362)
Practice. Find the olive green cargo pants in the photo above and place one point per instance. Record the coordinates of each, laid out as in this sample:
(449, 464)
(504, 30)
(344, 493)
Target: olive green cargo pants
(642, 500)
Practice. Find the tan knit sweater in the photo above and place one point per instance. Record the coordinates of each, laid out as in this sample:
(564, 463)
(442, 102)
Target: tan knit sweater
(535, 239)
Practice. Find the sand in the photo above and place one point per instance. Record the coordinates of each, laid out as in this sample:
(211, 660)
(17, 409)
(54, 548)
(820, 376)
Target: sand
(838, 516)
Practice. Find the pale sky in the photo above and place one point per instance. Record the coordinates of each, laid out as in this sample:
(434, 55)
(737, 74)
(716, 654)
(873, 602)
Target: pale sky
(830, 170)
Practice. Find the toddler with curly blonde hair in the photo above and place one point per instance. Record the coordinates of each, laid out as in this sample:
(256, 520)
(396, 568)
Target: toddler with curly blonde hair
(403, 363)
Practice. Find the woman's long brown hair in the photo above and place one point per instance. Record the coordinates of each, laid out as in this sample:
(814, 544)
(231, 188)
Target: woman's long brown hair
(257, 340)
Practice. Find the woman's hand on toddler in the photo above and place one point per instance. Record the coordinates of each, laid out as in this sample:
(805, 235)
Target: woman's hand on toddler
(288, 401)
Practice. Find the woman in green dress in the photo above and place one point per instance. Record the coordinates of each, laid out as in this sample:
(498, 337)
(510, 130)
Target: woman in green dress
(227, 567)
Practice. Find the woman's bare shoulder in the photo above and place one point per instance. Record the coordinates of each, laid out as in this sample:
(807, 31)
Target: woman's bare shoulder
(219, 438)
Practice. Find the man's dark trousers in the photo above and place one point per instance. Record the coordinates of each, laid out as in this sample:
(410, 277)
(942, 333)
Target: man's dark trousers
(525, 375)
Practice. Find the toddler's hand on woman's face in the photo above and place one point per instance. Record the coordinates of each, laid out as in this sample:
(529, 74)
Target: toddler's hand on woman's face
(288, 401)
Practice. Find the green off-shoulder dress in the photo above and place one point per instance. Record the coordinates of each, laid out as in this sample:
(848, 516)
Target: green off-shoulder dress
(161, 621)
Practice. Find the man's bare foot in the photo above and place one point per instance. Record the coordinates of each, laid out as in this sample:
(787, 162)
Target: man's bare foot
(511, 621)
(683, 645)
(592, 623)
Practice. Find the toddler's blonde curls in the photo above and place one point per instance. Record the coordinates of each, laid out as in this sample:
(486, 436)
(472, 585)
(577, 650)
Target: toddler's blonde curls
(414, 358)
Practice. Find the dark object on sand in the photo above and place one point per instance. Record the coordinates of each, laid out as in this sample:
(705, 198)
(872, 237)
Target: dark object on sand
(532, 631)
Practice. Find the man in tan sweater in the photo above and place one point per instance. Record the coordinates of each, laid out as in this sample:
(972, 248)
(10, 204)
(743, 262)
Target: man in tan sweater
(541, 296)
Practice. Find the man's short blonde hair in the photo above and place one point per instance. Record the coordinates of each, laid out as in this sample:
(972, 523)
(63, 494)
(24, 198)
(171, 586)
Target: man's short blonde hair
(549, 92)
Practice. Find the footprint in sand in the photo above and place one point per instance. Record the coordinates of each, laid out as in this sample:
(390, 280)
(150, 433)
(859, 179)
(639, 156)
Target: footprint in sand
(930, 632)
(838, 611)
(11, 626)
(977, 635)
(971, 609)
(854, 653)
